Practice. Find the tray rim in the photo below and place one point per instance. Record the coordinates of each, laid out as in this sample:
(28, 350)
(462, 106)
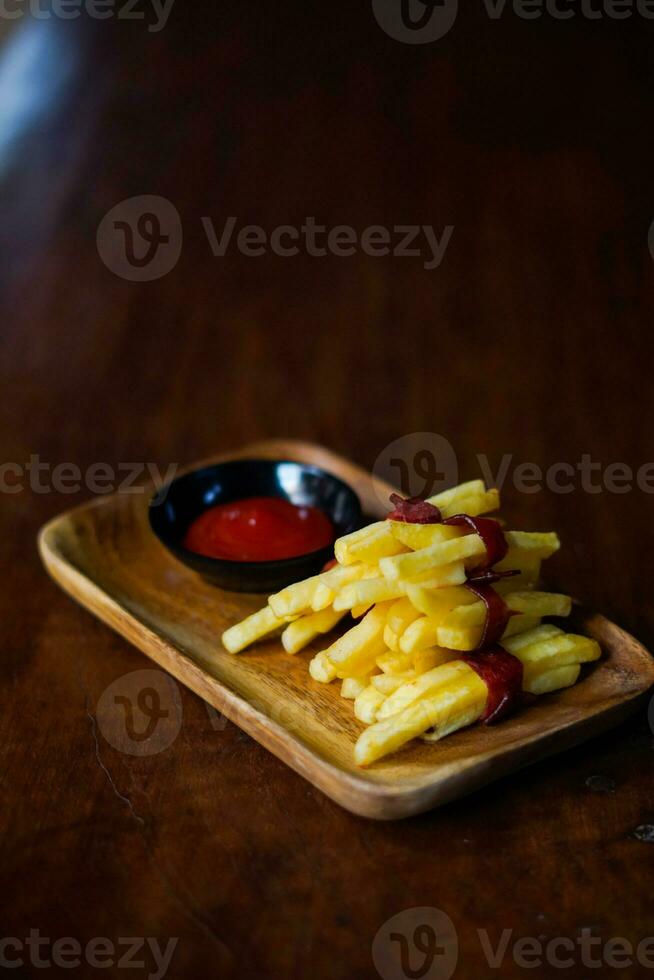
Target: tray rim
(357, 793)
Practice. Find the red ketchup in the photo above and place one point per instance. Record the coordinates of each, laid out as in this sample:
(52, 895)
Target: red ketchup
(259, 529)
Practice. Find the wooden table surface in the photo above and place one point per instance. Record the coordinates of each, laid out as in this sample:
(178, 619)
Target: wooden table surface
(533, 338)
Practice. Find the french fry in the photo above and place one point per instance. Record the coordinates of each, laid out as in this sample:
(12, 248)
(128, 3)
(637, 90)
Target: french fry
(424, 660)
(453, 723)
(355, 653)
(550, 652)
(391, 662)
(322, 669)
(367, 704)
(459, 704)
(438, 578)
(468, 639)
(256, 627)
(419, 635)
(400, 615)
(389, 683)
(449, 501)
(333, 580)
(343, 544)
(419, 536)
(529, 545)
(367, 592)
(302, 631)
(553, 680)
(368, 544)
(438, 602)
(294, 599)
(351, 687)
(530, 603)
(391, 639)
(408, 565)
(476, 504)
(529, 574)
(439, 677)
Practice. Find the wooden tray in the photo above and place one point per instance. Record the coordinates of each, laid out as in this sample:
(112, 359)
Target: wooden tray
(105, 556)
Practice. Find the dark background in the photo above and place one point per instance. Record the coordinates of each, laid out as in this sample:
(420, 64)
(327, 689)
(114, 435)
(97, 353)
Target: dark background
(534, 338)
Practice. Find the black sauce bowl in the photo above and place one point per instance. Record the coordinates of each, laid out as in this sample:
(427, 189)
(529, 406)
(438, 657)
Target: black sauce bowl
(177, 505)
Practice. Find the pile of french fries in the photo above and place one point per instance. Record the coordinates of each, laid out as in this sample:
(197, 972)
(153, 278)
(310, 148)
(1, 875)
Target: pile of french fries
(404, 584)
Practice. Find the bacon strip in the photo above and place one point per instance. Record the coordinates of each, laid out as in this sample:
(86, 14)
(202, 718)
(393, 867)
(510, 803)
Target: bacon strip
(497, 612)
(414, 510)
(490, 533)
(502, 673)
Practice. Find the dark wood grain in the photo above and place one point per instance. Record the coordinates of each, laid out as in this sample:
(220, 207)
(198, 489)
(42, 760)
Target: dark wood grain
(533, 338)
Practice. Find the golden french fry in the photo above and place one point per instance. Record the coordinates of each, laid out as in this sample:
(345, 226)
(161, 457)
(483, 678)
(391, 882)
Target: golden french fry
(322, 669)
(355, 653)
(424, 660)
(530, 603)
(439, 677)
(367, 592)
(438, 578)
(257, 626)
(529, 574)
(301, 632)
(469, 638)
(528, 545)
(453, 723)
(550, 652)
(543, 632)
(333, 580)
(420, 635)
(351, 687)
(448, 501)
(391, 639)
(294, 599)
(408, 565)
(459, 704)
(476, 504)
(367, 704)
(389, 683)
(438, 602)
(553, 680)
(419, 536)
(368, 544)
(394, 663)
(400, 615)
